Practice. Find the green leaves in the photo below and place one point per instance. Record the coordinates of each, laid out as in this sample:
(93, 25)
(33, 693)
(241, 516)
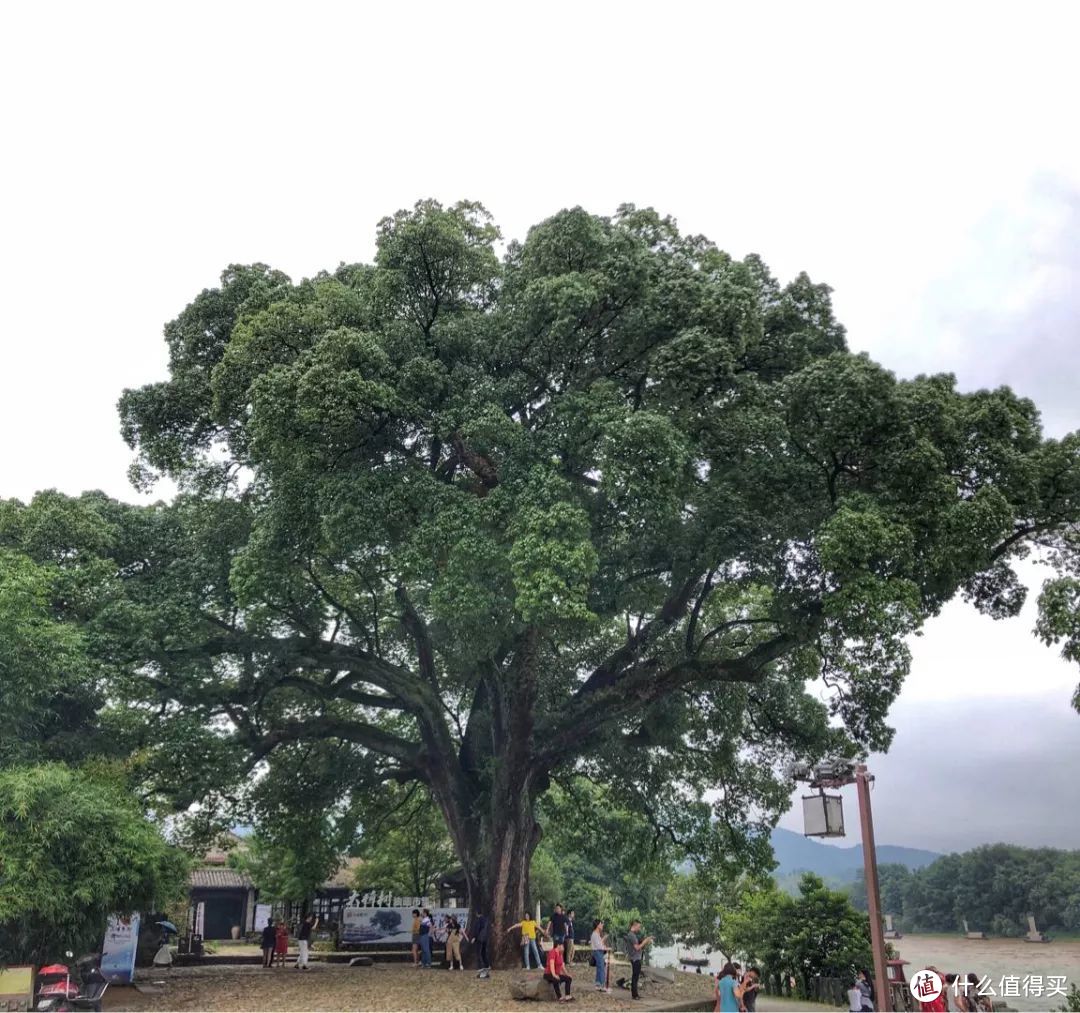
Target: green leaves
(75, 849)
(617, 493)
(552, 560)
(815, 934)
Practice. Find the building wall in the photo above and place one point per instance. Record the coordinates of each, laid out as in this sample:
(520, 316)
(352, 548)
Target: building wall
(224, 909)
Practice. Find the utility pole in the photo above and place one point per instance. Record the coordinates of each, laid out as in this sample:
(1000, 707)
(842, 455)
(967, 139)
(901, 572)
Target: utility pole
(836, 773)
(873, 894)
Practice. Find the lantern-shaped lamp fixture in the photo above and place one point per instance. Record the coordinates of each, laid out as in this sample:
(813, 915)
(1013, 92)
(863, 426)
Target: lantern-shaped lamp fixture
(823, 815)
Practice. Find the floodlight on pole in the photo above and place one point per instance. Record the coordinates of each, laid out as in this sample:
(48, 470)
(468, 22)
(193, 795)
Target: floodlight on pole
(823, 816)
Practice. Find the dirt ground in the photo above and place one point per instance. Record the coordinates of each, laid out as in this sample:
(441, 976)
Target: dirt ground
(381, 987)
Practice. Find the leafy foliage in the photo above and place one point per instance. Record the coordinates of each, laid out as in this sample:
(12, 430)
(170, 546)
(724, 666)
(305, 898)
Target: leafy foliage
(815, 934)
(404, 844)
(993, 887)
(74, 849)
(602, 508)
(695, 908)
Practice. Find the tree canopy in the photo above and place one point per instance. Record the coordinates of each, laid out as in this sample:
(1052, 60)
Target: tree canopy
(994, 888)
(601, 505)
(817, 933)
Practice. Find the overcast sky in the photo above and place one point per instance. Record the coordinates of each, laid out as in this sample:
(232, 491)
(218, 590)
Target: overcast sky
(921, 159)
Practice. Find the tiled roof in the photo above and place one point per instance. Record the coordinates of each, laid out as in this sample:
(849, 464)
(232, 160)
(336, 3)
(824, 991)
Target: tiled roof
(345, 877)
(219, 879)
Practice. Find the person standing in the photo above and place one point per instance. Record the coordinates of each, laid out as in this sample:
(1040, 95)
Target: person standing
(426, 928)
(599, 954)
(750, 984)
(556, 926)
(453, 943)
(941, 1003)
(309, 925)
(568, 948)
(635, 951)
(862, 980)
(555, 972)
(281, 942)
(481, 931)
(529, 929)
(269, 940)
(415, 931)
(728, 993)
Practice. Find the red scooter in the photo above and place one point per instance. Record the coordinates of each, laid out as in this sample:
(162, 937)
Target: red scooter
(57, 993)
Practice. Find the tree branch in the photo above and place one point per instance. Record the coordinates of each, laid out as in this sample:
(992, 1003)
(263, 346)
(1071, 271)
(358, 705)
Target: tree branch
(417, 629)
(609, 672)
(569, 734)
(369, 736)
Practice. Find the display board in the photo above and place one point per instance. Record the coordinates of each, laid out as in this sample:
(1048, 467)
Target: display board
(391, 924)
(118, 950)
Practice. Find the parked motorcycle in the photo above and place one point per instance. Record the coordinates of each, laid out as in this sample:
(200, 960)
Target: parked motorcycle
(59, 994)
(54, 984)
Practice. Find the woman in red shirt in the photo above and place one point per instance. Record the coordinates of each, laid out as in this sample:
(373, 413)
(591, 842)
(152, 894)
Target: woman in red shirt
(555, 972)
(941, 1003)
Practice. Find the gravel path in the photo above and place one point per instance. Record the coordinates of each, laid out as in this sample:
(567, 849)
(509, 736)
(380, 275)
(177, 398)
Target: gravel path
(381, 987)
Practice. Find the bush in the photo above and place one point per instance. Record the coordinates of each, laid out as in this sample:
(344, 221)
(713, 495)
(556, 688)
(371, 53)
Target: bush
(74, 850)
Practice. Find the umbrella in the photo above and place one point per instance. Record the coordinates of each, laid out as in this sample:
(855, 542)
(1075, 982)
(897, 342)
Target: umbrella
(169, 927)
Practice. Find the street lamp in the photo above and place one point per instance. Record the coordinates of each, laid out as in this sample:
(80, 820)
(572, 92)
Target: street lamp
(823, 816)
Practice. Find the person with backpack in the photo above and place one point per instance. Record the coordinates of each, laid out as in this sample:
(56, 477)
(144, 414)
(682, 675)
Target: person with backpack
(453, 943)
(426, 928)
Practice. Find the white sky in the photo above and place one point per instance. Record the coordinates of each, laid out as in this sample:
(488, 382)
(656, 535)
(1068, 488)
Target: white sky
(920, 158)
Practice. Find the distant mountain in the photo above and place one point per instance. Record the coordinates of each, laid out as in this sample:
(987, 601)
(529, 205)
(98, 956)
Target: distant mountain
(796, 854)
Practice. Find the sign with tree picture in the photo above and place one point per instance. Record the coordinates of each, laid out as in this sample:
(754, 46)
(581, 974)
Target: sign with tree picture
(390, 925)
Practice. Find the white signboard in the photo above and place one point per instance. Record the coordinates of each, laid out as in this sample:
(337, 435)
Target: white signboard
(392, 924)
(262, 916)
(118, 950)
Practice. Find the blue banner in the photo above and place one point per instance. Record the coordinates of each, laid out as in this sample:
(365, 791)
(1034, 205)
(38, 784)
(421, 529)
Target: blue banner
(118, 950)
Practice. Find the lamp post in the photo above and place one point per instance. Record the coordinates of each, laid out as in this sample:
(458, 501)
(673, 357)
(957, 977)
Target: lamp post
(828, 821)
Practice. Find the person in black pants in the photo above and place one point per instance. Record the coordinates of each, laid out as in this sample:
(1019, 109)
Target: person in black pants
(635, 949)
(481, 931)
(269, 937)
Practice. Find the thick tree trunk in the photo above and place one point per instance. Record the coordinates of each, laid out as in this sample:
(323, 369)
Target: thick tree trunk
(505, 886)
(492, 821)
(495, 835)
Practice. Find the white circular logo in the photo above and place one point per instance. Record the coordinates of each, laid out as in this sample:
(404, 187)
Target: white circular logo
(925, 985)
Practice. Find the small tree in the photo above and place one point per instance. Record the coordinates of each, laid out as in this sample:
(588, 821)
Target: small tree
(694, 907)
(404, 844)
(817, 934)
(73, 850)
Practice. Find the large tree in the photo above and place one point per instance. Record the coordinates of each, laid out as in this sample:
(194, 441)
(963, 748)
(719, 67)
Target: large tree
(603, 505)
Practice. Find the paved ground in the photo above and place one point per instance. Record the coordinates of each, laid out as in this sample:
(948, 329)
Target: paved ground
(385, 987)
